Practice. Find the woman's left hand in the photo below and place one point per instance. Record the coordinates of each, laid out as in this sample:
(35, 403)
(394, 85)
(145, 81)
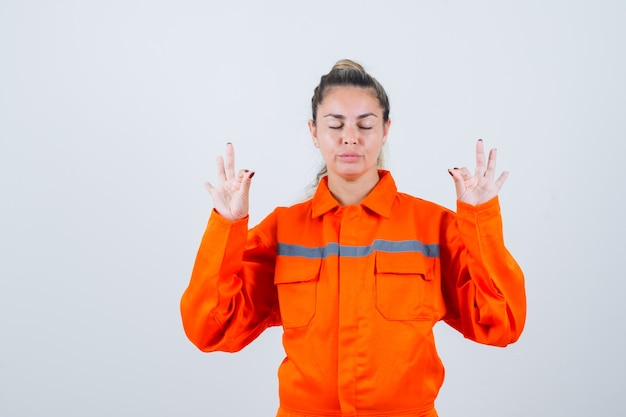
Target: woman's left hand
(478, 188)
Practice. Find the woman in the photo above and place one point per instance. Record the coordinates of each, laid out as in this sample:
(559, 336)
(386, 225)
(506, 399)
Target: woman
(359, 274)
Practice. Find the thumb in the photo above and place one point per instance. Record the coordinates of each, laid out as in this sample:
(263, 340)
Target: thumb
(459, 181)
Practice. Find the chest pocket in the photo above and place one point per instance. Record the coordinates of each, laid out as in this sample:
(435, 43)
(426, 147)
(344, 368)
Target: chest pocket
(405, 289)
(296, 280)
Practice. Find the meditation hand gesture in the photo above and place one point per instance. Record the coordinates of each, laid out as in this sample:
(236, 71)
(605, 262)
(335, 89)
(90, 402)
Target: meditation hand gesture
(480, 187)
(230, 196)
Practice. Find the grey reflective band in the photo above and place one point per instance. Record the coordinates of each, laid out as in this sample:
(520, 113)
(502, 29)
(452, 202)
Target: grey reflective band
(322, 252)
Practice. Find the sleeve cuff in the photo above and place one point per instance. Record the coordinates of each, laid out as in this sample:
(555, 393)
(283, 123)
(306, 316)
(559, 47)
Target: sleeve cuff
(484, 211)
(222, 221)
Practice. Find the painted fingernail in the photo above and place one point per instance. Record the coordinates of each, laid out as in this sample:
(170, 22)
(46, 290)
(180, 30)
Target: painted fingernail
(450, 172)
(480, 140)
(252, 174)
(246, 170)
(229, 143)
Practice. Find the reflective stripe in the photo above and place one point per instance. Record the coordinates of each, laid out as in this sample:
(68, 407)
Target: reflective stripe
(323, 252)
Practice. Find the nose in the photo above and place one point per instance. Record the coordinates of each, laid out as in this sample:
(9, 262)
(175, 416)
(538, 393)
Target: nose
(350, 136)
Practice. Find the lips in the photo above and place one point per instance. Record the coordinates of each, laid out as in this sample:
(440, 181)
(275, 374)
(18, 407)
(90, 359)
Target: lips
(349, 156)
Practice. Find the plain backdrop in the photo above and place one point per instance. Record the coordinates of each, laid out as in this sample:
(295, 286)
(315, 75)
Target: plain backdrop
(112, 114)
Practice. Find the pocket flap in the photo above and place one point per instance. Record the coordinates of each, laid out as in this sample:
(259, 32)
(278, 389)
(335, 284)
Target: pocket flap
(292, 269)
(402, 263)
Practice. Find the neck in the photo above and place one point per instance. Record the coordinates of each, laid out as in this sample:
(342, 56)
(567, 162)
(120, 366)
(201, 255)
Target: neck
(351, 192)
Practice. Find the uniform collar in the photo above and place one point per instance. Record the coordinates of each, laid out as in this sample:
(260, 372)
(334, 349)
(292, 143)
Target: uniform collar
(379, 200)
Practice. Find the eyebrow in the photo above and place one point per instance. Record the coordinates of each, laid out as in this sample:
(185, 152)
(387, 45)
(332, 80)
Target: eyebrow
(342, 117)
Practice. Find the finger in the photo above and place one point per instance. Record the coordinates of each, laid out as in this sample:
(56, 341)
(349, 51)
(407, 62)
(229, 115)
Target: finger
(465, 173)
(469, 181)
(230, 161)
(241, 174)
(221, 173)
(245, 182)
(501, 179)
(480, 159)
(491, 165)
(209, 187)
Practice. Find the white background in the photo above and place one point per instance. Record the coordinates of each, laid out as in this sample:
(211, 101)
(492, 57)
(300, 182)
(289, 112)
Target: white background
(112, 114)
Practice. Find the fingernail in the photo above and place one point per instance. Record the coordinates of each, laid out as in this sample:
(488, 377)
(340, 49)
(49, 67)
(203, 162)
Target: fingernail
(246, 170)
(455, 168)
(252, 175)
(480, 140)
(229, 143)
(450, 172)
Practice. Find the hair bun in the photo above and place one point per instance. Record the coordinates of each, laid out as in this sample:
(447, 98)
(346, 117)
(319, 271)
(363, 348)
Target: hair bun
(347, 64)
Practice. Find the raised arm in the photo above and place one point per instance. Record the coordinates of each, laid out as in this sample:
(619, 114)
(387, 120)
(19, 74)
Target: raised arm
(484, 285)
(231, 297)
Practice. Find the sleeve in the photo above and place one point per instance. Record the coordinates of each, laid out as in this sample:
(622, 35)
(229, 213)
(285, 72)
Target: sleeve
(483, 285)
(231, 297)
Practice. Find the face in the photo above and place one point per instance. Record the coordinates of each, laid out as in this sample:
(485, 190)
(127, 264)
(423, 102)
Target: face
(350, 132)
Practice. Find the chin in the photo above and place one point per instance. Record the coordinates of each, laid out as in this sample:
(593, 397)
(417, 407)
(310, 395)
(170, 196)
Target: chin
(351, 175)
(353, 172)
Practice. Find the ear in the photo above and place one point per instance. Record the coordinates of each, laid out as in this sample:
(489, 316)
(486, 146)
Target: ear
(313, 130)
(386, 127)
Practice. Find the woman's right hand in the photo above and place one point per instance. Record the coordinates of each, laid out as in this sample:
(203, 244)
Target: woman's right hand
(230, 196)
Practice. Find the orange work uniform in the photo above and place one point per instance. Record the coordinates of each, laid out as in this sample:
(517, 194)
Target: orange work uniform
(357, 290)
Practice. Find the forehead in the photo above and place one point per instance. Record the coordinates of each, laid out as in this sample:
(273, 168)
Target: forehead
(351, 98)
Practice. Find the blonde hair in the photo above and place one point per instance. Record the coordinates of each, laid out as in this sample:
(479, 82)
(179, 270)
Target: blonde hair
(346, 72)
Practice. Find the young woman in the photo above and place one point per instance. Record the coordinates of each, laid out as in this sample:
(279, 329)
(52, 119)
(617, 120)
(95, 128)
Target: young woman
(358, 275)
